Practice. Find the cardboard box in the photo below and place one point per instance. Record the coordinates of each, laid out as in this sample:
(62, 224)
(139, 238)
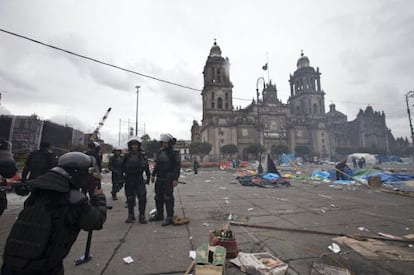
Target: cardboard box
(260, 264)
(210, 260)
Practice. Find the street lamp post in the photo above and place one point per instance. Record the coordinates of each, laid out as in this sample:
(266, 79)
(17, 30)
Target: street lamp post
(259, 168)
(136, 113)
(410, 94)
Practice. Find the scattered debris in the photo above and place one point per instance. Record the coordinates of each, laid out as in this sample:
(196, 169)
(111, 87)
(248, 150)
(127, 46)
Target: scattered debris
(180, 220)
(324, 269)
(128, 260)
(268, 180)
(206, 224)
(192, 254)
(390, 236)
(250, 209)
(226, 238)
(210, 260)
(334, 248)
(325, 196)
(378, 250)
(361, 228)
(260, 264)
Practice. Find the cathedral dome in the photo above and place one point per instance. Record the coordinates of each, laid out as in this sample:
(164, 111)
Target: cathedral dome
(303, 61)
(215, 50)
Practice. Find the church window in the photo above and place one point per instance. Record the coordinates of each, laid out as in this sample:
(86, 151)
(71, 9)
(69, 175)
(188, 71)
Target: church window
(212, 95)
(222, 141)
(315, 108)
(220, 103)
(212, 105)
(218, 76)
(226, 96)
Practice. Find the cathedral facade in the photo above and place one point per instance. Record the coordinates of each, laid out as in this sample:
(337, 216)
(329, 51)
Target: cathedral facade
(302, 121)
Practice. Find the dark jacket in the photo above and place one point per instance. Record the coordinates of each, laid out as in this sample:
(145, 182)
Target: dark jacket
(38, 163)
(115, 164)
(72, 211)
(135, 163)
(167, 164)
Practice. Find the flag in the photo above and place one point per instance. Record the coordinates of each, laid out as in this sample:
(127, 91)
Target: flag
(264, 67)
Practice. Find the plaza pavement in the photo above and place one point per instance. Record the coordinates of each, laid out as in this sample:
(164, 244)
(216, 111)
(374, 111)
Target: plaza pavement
(208, 199)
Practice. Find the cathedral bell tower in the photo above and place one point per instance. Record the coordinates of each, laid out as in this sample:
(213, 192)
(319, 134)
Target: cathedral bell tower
(217, 92)
(306, 95)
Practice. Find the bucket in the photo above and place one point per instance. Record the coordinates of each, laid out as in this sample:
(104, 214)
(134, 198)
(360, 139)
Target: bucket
(229, 244)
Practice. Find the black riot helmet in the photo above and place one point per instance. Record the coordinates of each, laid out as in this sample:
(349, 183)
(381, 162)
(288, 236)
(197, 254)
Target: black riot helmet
(4, 144)
(7, 164)
(78, 165)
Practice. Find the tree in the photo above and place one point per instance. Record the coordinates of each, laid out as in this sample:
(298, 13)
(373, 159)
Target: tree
(145, 138)
(345, 150)
(255, 149)
(151, 147)
(302, 150)
(229, 149)
(200, 148)
(279, 149)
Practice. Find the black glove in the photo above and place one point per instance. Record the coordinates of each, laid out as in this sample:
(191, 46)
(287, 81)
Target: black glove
(3, 202)
(22, 190)
(77, 198)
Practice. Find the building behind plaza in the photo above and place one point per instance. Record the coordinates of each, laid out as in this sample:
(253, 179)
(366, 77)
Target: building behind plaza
(302, 121)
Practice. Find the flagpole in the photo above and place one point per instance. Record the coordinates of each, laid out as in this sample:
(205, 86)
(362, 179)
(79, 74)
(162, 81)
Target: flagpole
(268, 70)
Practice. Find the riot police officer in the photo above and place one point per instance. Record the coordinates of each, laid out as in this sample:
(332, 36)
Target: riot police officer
(39, 162)
(166, 171)
(115, 165)
(52, 218)
(135, 163)
(7, 170)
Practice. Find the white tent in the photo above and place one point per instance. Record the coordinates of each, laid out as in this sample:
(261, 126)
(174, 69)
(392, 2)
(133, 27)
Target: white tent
(369, 158)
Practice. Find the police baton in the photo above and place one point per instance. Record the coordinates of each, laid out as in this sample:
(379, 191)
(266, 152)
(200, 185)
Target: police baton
(87, 257)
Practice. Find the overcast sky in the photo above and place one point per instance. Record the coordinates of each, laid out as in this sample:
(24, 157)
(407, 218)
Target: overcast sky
(364, 50)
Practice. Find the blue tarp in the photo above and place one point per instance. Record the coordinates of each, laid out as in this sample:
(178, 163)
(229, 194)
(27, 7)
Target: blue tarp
(270, 176)
(323, 174)
(287, 158)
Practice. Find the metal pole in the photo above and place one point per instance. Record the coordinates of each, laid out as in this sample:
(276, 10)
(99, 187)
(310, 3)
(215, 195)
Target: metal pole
(119, 133)
(410, 94)
(136, 113)
(259, 168)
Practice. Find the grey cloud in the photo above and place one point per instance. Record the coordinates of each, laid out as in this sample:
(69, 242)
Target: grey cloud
(15, 80)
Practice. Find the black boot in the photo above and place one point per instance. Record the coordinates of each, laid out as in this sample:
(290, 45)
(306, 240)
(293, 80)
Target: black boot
(142, 220)
(159, 216)
(131, 214)
(142, 202)
(167, 221)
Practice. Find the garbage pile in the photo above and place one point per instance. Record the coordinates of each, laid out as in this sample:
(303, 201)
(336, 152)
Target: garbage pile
(268, 180)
